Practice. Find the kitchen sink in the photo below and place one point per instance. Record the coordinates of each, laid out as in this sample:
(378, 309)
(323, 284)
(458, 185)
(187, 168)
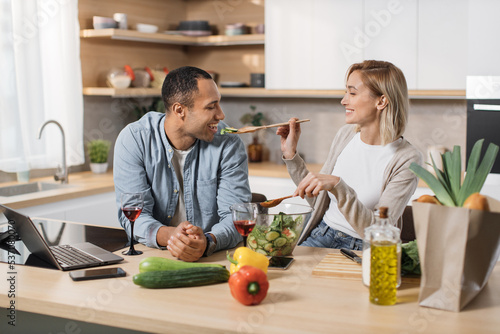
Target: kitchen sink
(27, 188)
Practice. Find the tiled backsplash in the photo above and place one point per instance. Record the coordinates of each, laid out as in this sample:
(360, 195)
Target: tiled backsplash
(431, 122)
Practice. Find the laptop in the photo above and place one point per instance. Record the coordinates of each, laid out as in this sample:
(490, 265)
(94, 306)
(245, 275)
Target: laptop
(63, 257)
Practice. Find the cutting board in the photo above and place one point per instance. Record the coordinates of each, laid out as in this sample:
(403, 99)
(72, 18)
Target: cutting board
(336, 265)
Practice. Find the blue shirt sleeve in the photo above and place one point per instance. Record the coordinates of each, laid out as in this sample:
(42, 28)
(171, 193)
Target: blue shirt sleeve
(128, 161)
(233, 188)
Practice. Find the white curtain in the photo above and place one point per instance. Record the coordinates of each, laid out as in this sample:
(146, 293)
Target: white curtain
(40, 80)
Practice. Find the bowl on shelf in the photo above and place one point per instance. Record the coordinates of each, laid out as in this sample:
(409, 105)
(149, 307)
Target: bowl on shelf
(194, 28)
(194, 25)
(147, 28)
(101, 22)
(277, 230)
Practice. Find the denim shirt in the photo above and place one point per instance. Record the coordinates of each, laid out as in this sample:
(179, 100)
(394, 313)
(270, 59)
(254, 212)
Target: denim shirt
(215, 177)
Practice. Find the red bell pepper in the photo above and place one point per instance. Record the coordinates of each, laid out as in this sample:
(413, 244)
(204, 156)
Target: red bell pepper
(249, 285)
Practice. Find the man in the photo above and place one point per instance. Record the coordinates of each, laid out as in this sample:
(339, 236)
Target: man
(188, 173)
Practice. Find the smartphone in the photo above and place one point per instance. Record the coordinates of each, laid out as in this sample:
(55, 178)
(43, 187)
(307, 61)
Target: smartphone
(279, 262)
(82, 275)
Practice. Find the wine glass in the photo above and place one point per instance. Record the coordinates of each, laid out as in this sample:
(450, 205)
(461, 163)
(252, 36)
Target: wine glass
(244, 218)
(131, 205)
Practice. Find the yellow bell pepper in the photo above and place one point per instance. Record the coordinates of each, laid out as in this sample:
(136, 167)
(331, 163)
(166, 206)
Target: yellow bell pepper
(244, 256)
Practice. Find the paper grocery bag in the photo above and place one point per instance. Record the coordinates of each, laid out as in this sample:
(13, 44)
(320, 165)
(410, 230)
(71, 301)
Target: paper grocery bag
(458, 249)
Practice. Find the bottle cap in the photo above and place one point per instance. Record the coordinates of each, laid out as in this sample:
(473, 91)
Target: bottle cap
(383, 212)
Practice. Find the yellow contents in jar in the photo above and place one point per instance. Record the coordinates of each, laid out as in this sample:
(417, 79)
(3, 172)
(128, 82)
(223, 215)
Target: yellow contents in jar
(383, 272)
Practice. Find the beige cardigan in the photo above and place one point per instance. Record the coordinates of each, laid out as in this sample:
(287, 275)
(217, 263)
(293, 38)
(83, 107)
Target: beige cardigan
(399, 185)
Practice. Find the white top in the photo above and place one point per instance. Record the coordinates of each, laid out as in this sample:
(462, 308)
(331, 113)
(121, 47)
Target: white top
(362, 167)
(178, 161)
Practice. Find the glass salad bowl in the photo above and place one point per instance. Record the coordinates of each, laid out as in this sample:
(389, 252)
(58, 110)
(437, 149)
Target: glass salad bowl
(277, 230)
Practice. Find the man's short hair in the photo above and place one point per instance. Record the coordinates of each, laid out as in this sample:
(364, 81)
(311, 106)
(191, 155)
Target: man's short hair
(181, 85)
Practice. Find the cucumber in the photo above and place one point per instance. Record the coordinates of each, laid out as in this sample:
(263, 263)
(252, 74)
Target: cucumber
(252, 242)
(261, 241)
(278, 242)
(261, 251)
(268, 246)
(185, 277)
(270, 236)
(154, 263)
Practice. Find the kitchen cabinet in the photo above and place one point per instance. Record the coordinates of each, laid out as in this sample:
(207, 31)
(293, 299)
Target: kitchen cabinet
(96, 210)
(442, 44)
(390, 31)
(426, 39)
(483, 42)
(275, 187)
(308, 45)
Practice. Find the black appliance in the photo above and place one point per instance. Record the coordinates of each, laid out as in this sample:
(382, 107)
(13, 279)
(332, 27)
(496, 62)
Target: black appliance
(483, 114)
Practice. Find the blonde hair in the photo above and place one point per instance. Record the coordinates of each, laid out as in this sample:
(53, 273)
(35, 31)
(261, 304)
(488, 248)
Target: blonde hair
(384, 78)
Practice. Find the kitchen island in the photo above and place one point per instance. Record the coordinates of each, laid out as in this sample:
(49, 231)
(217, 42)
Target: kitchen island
(297, 302)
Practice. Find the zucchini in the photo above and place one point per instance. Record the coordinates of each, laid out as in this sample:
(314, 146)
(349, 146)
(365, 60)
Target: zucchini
(252, 242)
(278, 242)
(268, 247)
(261, 251)
(154, 263)
(270, 236)
(185, 277)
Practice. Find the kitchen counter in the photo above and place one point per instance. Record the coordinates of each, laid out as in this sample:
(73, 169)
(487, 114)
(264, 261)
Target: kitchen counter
(80, 185)
(297, 302)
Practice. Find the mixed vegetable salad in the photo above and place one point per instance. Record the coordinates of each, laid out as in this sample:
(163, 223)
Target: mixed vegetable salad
(279, 238)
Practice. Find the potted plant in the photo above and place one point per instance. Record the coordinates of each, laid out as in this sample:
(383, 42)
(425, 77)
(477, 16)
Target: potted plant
(98, 153)
(255, 149)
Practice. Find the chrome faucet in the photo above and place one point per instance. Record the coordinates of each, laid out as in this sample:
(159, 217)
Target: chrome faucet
(61, 172)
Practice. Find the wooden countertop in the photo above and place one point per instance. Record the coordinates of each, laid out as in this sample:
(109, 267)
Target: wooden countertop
(297, 302)
(80, 185)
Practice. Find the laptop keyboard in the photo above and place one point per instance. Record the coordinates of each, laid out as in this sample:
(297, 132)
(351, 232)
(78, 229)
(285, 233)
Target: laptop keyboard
(69, 256)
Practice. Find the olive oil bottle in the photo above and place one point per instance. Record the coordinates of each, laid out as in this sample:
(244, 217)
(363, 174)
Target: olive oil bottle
(384, 261)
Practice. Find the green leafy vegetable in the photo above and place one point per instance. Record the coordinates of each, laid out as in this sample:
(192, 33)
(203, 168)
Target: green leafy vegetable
(447, 185)
(410, 262)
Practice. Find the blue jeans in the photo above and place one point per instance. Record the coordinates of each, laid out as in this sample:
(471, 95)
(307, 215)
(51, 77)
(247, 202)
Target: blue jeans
(327, 237)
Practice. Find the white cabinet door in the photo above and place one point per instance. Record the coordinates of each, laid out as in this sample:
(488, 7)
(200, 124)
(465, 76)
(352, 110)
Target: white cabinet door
(442, 44)
(390, 29)
(483, 38)
(310, 44)
(274, 187)
(97, 210)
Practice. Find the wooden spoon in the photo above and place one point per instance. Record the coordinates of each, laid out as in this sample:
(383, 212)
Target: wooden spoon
(248, 129)
(273, 202)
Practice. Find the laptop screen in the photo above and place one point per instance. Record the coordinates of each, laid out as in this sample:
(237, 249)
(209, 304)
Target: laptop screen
(56, 232)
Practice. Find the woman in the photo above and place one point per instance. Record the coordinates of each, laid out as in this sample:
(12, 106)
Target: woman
(367, 166)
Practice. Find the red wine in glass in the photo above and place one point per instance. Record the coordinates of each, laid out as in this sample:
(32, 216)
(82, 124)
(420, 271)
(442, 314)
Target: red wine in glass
(132, 204)
(244, 217)
(132, 213)
(244, 227)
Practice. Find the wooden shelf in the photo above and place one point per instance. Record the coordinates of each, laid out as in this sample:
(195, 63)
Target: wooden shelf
(127, 92)
(133, 35)
(267, 93)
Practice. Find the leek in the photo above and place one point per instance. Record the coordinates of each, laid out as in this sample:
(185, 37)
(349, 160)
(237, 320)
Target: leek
(447, 184)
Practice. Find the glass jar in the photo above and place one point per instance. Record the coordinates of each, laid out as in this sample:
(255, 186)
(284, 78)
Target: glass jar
(120, 78)
(382, 259)
(142, 78)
